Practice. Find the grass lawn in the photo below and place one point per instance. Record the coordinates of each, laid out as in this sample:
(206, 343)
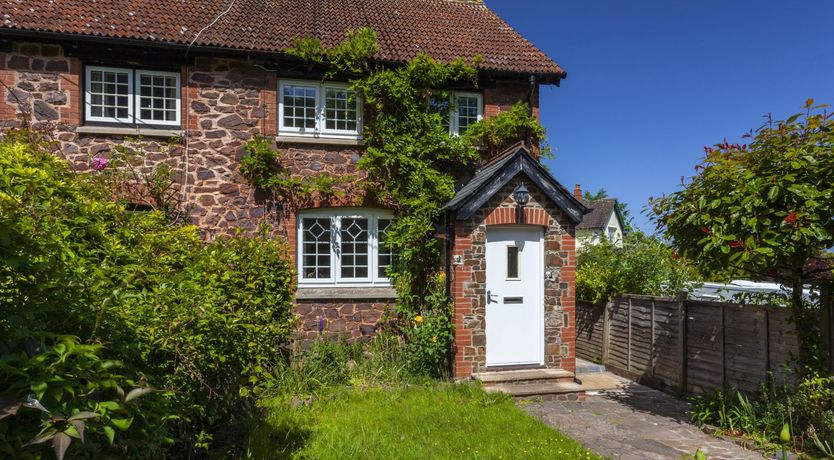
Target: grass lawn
(441, 420)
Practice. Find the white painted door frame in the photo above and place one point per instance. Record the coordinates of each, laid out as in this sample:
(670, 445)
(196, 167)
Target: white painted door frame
(514, 313)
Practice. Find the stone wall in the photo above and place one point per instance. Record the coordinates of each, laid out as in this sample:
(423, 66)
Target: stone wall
(469, 282)
(225, 102)
(351, 321)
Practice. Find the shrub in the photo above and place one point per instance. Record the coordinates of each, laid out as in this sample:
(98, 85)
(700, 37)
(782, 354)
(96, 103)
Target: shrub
(203, 323)
(643, 265)
(60, 390)
(807, 407)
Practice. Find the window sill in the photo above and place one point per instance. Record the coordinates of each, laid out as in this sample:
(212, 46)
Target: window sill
(122, 131)
(287, 139)
(335, 292)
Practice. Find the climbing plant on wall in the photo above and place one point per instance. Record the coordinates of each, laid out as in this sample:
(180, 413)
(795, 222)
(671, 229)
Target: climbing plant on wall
(410, 161)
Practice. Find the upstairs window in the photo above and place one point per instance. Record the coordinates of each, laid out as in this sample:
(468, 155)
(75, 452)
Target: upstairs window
(458, 111)
(319, 109)
(344, 247)
(612, 234)
(132, 96)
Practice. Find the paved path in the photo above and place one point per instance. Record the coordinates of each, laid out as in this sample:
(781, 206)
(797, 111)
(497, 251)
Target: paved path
(633, 422)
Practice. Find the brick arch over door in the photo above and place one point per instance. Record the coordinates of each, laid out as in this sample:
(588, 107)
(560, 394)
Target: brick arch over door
(509, 215)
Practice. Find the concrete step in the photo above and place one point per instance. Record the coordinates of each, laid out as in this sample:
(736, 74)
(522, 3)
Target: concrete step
(524, 376)
(545, 390)
(587, 367)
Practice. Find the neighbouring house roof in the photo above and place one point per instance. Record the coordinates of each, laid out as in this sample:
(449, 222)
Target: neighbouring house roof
(495, 175)
(600, 214)
(444, 29)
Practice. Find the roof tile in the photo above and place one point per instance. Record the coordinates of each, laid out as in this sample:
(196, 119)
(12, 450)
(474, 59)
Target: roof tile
(444, 29)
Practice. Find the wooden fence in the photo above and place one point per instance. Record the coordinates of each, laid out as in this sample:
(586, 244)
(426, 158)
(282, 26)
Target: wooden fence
(686, 346)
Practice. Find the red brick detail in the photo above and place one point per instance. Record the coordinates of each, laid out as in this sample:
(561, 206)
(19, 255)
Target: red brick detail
(269, 102)
(508, 215)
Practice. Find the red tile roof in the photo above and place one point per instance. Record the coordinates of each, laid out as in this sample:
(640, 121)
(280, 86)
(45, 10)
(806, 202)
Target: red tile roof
(444, 29)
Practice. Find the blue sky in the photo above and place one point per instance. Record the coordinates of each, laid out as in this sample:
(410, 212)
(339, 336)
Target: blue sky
(650, 83)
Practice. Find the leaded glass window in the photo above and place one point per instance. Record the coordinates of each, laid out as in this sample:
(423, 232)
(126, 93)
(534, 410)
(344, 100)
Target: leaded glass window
(354, 247)
(344, 246)
(317, 248)
(385, 255)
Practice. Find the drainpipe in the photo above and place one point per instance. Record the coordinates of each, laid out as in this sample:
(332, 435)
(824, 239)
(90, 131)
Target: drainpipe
(449, 227)
(528, 141)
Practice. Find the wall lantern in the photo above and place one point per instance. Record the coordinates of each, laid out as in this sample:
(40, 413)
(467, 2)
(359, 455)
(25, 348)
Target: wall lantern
(521, 196)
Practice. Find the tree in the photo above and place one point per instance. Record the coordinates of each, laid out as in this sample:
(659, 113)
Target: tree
(598, 195)
(764, 210)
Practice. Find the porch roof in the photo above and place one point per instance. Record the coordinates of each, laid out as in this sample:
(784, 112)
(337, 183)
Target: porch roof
(494, 176)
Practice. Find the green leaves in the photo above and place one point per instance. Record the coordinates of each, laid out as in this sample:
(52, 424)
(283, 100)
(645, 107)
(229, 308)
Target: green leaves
(768, 206)
(643, 265)
(500, 131)
(775, 195)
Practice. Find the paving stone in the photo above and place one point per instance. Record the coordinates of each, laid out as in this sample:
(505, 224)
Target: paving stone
(634, 422)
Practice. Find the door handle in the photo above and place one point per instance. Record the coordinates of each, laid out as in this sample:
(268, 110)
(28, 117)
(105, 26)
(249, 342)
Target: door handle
(490, 296)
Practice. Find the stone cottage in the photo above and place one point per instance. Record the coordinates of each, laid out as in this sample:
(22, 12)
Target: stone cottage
(212, 74)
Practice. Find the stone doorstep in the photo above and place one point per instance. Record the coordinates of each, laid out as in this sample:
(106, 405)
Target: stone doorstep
(524, 377)
(538, 389)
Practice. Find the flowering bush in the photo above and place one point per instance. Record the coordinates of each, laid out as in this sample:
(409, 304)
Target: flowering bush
(429, 334)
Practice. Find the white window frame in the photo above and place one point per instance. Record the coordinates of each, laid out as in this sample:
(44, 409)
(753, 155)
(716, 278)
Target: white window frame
(454, 115)
(319, 130)
(138, 95)
(336, 215)
(88, 116)
(133, 83)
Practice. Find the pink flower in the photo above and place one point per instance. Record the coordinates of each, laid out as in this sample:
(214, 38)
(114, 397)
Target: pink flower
(99, 163)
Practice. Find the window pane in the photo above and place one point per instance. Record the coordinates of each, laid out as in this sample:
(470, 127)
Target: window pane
(299, 107)
(316, 235)
(108, 93)
(385, 255)
(158, 92)
(441, 106)
(467, 112)
(354, 260)
(512, 262)
(341, 110)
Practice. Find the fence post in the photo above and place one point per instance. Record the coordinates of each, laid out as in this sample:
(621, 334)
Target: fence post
(628, 346)
(682, 345)
(767, 337)
(723, 351)
(652, 357)
(827, 304)
(606, 330)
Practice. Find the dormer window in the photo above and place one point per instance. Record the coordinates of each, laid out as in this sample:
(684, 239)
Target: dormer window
(319, 110)
(132, 96)
(459, 111)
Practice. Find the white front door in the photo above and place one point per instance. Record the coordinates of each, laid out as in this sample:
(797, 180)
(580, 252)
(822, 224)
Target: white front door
(515, 299)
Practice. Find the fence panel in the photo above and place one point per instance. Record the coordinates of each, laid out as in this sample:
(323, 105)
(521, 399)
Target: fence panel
(590, 319)
(688, 346)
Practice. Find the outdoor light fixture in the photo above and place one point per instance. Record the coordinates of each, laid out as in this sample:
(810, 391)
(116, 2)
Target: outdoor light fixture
(522, 196)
